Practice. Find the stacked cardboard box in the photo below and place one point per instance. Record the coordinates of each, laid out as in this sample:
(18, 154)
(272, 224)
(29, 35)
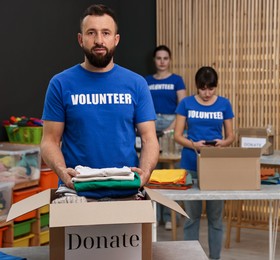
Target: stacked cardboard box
(229, 168)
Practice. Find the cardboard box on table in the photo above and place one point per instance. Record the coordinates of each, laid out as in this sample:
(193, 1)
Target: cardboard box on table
(229, 168)
(119, 230)
(257, 137)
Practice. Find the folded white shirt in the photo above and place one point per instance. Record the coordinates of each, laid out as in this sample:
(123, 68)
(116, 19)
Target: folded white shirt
(101, 172)
(129, 177)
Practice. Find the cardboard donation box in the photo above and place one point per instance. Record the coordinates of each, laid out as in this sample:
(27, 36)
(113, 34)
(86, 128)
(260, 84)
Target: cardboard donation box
(257, 137)
(119, 230)
(229, 168)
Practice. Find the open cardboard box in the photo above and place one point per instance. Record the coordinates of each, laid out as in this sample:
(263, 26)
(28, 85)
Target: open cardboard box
(257, 137)
(119, 230)
(229, 168)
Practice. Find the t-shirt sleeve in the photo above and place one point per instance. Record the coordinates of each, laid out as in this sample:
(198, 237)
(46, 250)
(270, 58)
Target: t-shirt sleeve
(53, 106)
(145, 107)
(180, 84)
(228, 111)
(180, 110)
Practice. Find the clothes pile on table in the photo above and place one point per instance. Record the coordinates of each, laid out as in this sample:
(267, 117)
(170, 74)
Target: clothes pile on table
(176, 179)
(269, 176)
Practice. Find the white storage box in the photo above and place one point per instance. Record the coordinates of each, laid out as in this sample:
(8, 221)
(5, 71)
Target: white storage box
(5, 199)
(19, 163)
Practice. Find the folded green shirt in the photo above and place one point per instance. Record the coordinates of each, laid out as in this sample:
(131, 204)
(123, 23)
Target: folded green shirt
(115, 184)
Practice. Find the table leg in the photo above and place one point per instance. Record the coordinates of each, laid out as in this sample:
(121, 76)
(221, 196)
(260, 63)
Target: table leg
(276, 220)
(270, 230)
(173, 213)
(174, 225)
(154, 225)
(273, 226)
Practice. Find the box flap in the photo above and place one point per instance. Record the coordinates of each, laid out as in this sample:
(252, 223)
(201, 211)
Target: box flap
(101, 213)
(157, 197)
(33, 202)
(229, 152)
(258, 131)
(265, 147)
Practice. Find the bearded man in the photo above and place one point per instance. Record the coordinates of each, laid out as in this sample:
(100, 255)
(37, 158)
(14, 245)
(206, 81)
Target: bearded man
(93, 110)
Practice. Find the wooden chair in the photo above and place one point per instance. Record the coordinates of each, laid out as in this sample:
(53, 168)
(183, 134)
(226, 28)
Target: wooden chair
(252, 214)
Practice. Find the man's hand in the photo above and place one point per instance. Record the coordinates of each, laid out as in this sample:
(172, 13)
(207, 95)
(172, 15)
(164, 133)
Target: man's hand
(144, 176)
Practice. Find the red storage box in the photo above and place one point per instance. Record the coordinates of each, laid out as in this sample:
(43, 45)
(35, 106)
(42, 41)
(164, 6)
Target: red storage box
(22, 194)
(48, 180)
(1, 234)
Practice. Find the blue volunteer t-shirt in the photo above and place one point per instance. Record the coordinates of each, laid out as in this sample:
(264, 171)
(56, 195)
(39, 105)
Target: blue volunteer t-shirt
(100, 112)
(203, 123)
(164, 92)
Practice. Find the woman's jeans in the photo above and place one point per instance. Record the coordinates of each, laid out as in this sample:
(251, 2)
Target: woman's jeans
(163, 121)
(214, 211)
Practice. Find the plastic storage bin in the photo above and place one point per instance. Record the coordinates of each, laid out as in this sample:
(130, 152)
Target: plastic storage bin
(23, 228)
(2, 230)
(44, 220)
(5, 199)
(24, 134)
(44, 237)
(44, 209)
(48, 179)
(22, 194)
(23, 241)
(19, 163)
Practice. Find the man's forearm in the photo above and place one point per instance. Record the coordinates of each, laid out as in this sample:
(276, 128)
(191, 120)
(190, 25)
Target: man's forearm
(149, 158)
(53, 157)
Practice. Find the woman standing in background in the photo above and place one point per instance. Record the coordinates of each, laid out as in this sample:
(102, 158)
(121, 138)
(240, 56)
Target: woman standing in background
(167, 90)
(206, 117)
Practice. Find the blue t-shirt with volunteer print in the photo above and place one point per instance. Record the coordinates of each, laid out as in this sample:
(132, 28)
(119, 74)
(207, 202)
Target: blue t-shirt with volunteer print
(203, 123)
(164, 92)
(100, 112)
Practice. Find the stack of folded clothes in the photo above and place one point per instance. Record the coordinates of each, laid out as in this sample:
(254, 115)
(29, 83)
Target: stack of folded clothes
(269, 176)
(106, 182)
(177, 179)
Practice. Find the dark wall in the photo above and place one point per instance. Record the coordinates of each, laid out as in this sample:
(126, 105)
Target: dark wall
(39, 39)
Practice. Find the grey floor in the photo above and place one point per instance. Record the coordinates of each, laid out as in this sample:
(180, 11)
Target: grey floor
(253, 245)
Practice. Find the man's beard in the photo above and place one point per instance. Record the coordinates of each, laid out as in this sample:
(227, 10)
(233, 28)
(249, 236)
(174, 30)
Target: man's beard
(99, 61)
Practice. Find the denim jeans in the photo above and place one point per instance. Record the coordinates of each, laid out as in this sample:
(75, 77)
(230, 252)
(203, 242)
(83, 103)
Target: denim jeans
(214, 211)
(163, 121)
(164, 214)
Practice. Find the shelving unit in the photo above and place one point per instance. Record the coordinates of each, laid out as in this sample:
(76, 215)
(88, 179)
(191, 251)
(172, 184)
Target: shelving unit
(33, 231)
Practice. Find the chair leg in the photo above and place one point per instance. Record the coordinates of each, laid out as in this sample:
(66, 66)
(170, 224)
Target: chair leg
(239, 220)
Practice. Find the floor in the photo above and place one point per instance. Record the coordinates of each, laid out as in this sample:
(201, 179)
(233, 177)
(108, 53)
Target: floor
(253, 244)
